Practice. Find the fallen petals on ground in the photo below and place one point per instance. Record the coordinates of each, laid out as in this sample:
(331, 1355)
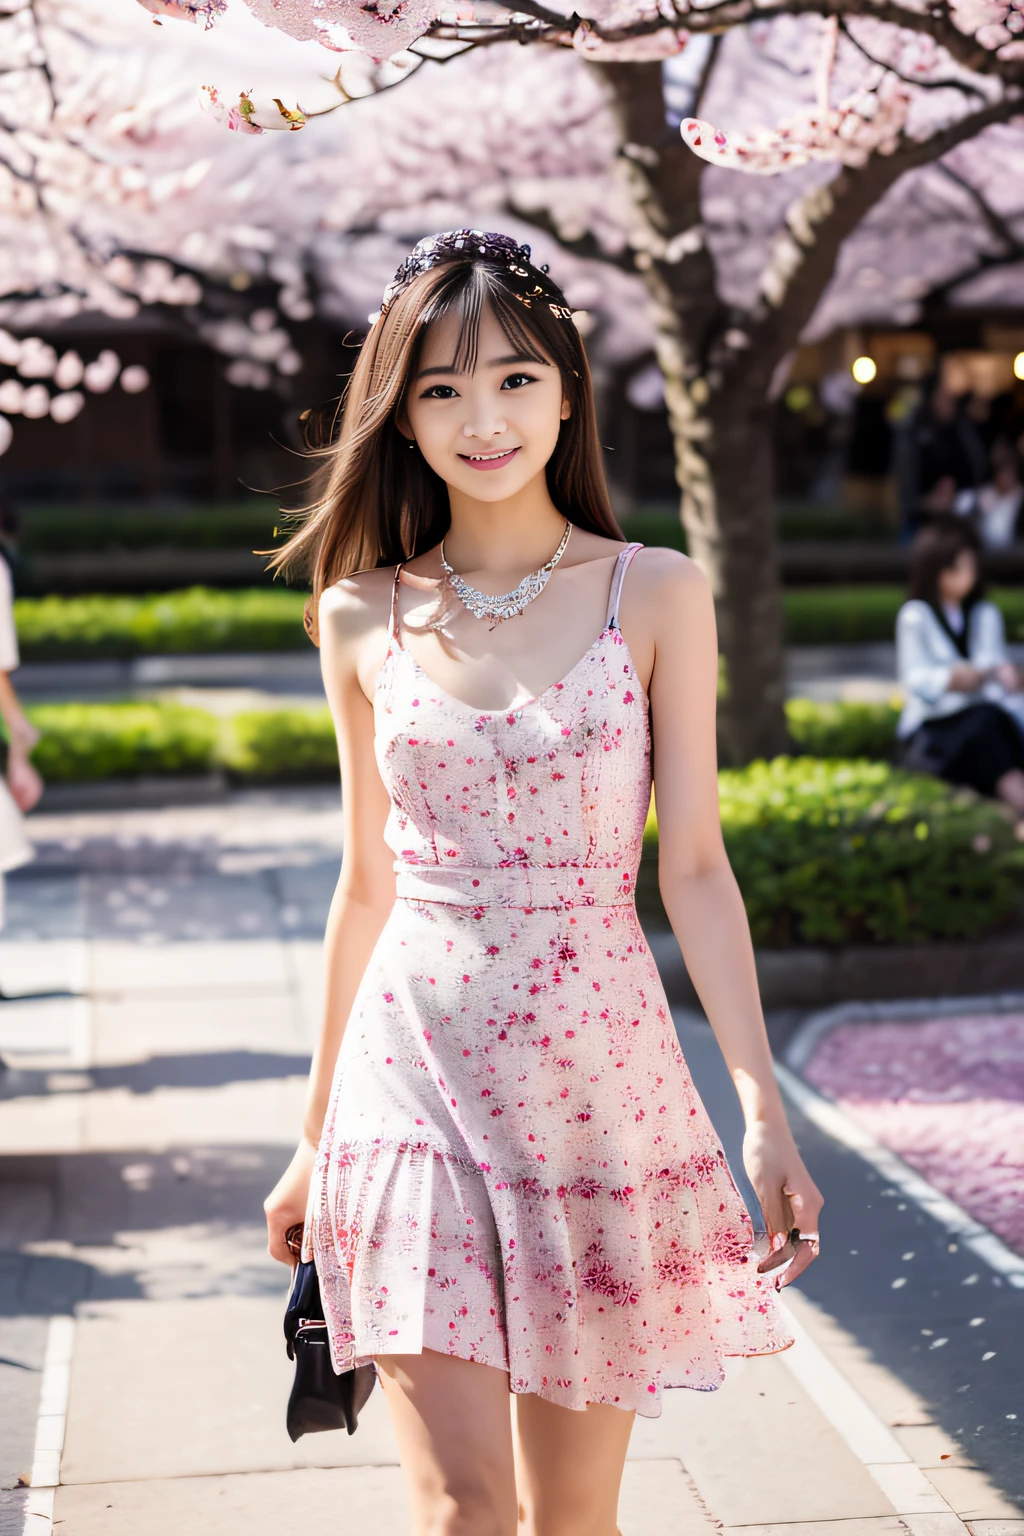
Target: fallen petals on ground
(947, 1095)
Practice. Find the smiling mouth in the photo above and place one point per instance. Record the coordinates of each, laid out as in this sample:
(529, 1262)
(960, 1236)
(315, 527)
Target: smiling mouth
(489, 460)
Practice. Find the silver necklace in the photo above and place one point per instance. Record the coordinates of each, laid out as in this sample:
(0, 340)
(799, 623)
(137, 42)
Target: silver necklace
(506, 605)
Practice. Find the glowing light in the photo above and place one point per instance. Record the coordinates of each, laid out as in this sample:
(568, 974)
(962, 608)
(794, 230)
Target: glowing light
(134, 379)
(864, 369)
(1018, 366)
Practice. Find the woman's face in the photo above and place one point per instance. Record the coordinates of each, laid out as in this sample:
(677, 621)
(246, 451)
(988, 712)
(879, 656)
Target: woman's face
(958, 579)
(491, 432)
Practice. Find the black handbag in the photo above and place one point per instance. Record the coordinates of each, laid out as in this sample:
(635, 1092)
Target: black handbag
(320, 1399)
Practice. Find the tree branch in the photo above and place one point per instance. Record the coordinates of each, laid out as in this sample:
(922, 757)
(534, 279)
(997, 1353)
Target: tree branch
(935, 20)
(997, 223)
(923, 85)
(821, 220)
(586, 246)
(704, 79)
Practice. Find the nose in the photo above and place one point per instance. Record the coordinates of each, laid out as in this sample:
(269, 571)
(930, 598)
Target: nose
(484, 421)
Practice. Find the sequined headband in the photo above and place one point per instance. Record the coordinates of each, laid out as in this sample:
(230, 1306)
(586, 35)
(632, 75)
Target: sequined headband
(473, 245)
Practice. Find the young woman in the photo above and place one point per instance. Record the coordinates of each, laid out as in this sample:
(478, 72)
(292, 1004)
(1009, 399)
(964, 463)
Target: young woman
(963, 710)
(514, 1184)
(20, 784)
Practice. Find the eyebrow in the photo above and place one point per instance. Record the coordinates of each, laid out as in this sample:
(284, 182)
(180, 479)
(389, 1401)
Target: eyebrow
(495, 362)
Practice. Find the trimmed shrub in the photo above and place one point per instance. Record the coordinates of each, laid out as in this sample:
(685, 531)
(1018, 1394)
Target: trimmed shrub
(204, 619)
(201, 619)
(230, 525)
(196, 619)
(841, 729)
(102, 741)
(75, 628)
(830, 852)
(282, 744)
(841, 615)
(855, 615)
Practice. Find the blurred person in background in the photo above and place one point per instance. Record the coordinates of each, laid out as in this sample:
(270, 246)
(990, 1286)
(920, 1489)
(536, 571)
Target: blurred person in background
(20, 786)
(963, 712)
(941, 459)
(1001, 499)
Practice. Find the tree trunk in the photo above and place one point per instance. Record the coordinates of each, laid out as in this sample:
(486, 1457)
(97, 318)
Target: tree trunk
(742, 561)
(717, 400)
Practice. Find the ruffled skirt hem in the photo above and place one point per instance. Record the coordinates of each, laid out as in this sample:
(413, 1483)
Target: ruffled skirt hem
(579, 1295)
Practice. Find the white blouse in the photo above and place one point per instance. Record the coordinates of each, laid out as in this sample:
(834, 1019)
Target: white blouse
(997, 515)
(15, 847)
(8, 638)
(926, 656)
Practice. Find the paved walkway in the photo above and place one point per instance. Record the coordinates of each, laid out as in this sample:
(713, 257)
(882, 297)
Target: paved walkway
(141, 1122)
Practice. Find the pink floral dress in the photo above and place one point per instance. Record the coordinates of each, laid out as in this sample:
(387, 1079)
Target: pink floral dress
(515, 1167)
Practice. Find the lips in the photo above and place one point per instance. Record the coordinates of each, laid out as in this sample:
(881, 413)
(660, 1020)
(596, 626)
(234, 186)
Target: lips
(489, 460)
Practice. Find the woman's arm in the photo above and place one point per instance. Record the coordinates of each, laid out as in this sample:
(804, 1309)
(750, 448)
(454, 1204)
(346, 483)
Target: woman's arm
(918, 668)
(990, 653)
(700, 893)
(365, 892)
(21, 733)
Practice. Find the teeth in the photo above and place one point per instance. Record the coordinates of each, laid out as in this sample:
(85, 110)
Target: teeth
(480, 458)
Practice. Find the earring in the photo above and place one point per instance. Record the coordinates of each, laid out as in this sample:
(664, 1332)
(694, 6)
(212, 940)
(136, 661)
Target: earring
(412, 442)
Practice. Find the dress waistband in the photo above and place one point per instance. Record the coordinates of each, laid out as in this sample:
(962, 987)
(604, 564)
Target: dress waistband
(522, 886)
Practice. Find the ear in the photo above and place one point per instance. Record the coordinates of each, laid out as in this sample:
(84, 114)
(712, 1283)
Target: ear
(566, 408)
(402, 423)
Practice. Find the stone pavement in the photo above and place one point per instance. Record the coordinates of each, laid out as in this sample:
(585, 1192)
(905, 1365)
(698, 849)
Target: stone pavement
(142, 1120)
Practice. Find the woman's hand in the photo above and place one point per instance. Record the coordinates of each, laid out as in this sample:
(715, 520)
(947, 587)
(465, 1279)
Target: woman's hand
(965, 678)
(23, 733)
(1008, 675)
(286, 1204)
(788, 1196)
(23, 781)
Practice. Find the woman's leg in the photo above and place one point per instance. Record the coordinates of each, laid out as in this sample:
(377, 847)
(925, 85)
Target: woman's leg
(992, 756)
(453, 1424)
(569, 1466)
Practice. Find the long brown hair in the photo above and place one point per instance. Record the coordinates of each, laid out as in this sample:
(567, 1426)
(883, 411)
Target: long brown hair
(376, 503)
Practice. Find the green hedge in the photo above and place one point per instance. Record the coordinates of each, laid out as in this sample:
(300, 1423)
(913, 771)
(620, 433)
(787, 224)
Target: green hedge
(102, 741)
(98, 741)
(830, 852)
(841, 729)
(197, 619)
(216, 525)
(270, 619)
(281, 744)
(853, 615)
(84, 742)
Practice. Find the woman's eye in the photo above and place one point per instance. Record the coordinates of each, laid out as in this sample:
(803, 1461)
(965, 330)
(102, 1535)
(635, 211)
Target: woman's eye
(517, 380)
(439, 392)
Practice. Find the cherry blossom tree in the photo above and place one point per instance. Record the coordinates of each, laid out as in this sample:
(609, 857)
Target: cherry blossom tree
(719, 158)
(873, 90)
(117, 195)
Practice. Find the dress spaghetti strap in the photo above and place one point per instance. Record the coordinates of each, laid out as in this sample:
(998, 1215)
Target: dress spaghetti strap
(392, 634)
(614, 596)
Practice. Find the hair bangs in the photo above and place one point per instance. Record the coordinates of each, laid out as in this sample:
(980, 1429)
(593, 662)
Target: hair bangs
(473, 288)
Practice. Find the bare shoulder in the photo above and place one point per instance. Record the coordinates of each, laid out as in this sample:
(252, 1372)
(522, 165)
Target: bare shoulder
(356, 605)
(665, 580)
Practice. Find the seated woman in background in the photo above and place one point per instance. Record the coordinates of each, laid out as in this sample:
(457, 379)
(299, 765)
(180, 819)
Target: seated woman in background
(963, 713)
(1000, 502)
